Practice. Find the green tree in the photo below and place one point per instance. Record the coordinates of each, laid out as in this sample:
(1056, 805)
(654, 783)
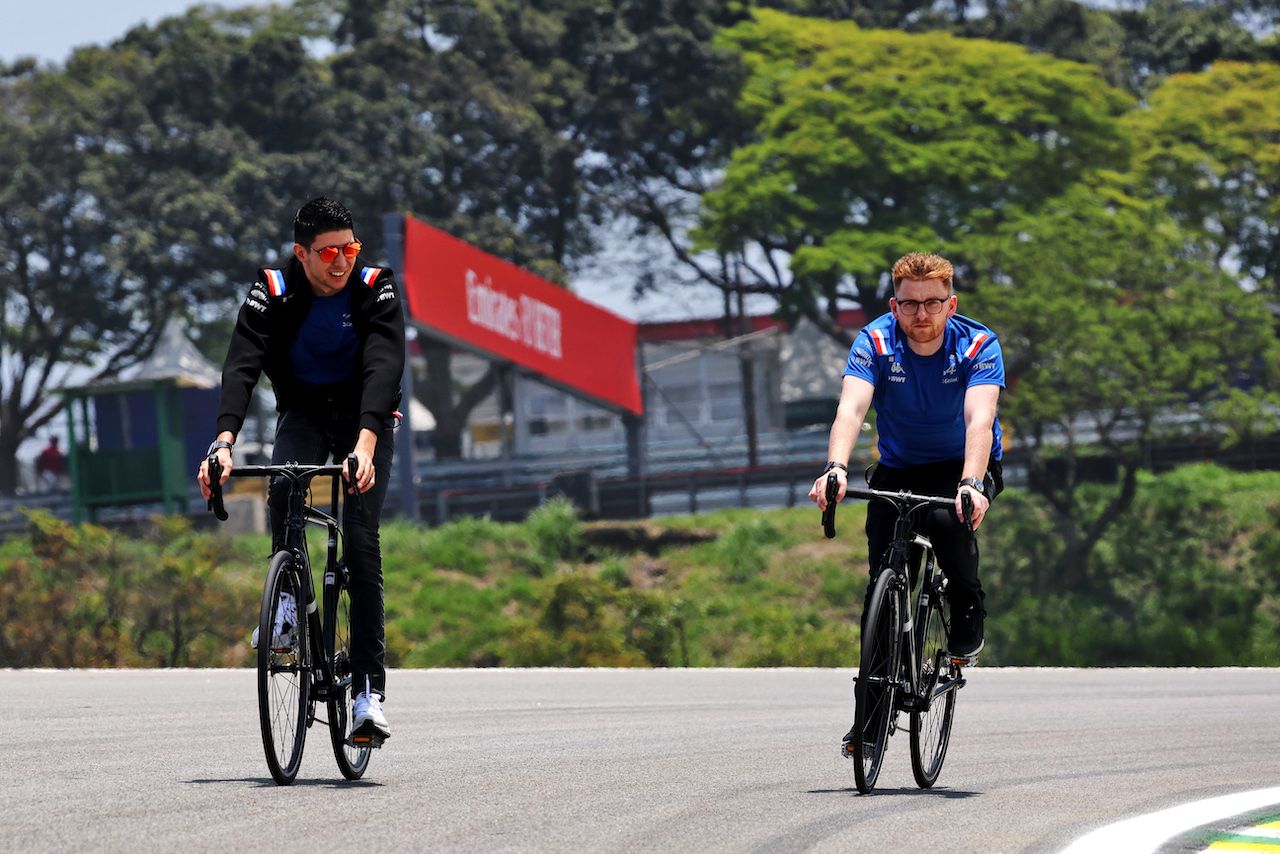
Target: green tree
(1115, 324)
(1166, 37)
(138, 194)
(1210, 143)
(1061, 28)
(871, 142)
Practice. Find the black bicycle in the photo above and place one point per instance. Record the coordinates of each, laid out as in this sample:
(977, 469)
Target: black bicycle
(303, 663)
(905, 665)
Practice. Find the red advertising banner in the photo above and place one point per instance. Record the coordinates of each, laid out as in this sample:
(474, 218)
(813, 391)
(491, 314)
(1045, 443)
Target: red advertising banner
(482, 302)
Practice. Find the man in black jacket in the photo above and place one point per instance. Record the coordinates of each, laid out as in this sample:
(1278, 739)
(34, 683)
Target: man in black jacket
(330, 336)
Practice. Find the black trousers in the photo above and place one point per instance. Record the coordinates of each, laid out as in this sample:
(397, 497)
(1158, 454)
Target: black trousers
(955, 547)
(314, 440)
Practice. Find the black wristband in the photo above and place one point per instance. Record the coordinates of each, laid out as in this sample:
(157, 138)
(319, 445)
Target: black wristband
(835, 465)
(215, 445)
(975, 484)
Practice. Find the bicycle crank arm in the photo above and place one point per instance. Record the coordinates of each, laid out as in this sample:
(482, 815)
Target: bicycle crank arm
(949, 685)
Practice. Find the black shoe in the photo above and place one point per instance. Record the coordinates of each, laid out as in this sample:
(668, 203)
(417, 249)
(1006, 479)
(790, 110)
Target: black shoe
(850, 738)
(966, 630)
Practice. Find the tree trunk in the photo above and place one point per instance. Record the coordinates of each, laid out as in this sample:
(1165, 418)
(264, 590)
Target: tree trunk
(10, 438)
(1080, 540)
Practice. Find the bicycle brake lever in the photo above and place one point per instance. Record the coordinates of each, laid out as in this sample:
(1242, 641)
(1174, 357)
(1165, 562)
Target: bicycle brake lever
(353, 463)
(966, 505)
(215, 488)
(829, 515)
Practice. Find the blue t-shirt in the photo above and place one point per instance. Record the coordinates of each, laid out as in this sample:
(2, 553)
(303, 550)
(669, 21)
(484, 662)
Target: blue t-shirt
(919, 400)
(326, 347)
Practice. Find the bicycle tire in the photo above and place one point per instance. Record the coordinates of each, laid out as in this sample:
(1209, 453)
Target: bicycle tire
(284, 673)
(931, 727)
(877, 683)
(352, 761)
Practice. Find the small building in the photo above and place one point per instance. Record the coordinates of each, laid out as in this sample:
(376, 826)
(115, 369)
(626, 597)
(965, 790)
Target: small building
(139, 439)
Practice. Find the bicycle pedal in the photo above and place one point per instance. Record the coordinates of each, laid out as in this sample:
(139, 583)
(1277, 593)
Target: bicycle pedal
(964, 660)
(358, 741)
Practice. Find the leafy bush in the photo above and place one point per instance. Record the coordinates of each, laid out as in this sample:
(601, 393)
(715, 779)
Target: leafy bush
(1187, 578)
(554, 533)
(87, 597)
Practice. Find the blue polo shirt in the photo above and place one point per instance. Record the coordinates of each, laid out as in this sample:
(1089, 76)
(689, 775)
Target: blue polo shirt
(919, 400)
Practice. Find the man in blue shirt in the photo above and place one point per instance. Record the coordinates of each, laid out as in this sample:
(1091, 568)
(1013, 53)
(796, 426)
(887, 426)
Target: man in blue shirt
(934, 377)
(330, 336)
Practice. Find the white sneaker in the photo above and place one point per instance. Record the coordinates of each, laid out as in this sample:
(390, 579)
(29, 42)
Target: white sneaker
(286, 619)
(367, 718)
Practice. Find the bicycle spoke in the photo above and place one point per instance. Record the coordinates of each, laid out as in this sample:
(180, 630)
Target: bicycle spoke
(931, 726)
(283, 676)
(874, 720)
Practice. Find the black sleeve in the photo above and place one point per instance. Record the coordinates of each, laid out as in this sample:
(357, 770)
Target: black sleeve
(383, 364)
(245, 357)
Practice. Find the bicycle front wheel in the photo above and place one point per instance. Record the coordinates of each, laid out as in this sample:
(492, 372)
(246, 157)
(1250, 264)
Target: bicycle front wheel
(877, 681)
(284, 671)
(931, 726)
(352, 761)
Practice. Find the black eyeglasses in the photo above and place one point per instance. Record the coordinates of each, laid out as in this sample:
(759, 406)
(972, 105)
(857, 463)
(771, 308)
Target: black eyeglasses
(911, 307)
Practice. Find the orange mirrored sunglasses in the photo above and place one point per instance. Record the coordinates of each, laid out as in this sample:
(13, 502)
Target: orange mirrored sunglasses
(328, 253)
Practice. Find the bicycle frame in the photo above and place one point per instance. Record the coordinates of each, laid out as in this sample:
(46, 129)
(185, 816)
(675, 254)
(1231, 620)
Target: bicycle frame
(322, 663)
(297, 517)
(913, 697)
(929, 584)
(892, 677)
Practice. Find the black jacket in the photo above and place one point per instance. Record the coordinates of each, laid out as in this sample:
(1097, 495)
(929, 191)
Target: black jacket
(268, 324)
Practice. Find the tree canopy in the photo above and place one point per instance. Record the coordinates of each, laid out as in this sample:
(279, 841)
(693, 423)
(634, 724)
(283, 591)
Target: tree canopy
(1119, 330)
(1210, 143)
(868, 141)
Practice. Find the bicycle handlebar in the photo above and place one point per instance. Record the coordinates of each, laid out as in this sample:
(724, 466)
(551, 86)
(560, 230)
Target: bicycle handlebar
(901, 498)
(294, 471)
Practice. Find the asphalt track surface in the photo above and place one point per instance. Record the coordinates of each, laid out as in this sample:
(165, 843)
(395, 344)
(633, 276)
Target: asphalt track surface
(624, 760)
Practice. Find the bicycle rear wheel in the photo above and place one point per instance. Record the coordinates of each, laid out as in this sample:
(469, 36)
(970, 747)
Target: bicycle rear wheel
(284, 671)
(931, 728)
(352, 761)
(877, 681)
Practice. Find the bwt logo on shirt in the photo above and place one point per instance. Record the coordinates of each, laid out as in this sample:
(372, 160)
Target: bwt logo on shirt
(528, 321)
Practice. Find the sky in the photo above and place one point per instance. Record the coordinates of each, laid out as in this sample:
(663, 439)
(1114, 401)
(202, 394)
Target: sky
(51, 29)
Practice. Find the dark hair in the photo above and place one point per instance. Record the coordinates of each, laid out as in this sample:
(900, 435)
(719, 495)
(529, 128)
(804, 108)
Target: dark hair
(317, 217)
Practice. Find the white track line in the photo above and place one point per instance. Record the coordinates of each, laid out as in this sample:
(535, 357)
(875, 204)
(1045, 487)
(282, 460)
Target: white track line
(1146, 833)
